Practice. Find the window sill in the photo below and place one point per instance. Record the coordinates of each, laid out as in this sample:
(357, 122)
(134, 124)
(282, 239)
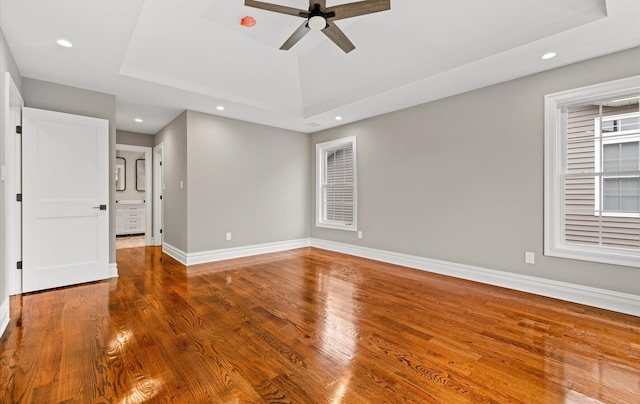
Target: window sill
(336, 226)
(595, 254)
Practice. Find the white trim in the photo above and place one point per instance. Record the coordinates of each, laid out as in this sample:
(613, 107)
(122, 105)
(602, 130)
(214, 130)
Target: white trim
(148, 188)
(158, 187)
(554, 166)
(5, 315)
(321, 148)
(113, 270)
(589, 296)
(601, 298)
(13, 233)
(203, 257)
(175, 253)
(246, 251)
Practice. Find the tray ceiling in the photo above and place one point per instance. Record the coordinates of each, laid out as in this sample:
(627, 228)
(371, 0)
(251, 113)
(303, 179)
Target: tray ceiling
(161, 57)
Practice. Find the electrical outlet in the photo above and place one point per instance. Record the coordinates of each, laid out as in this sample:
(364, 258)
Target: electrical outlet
(529, 257)
(228, 236)
(359, 234)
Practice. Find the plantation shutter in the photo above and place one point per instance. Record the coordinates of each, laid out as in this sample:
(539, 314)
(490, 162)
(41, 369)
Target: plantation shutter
(339, 184)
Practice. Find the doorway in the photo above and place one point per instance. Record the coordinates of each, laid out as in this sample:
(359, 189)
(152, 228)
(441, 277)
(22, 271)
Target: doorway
(134, 196)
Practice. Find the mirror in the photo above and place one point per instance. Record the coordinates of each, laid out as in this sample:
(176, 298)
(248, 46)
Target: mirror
(140, 175)
(121, 174)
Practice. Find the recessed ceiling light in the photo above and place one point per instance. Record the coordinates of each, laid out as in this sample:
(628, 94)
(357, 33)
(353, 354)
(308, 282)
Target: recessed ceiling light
(64, 42)
(338, 118)
(220, 107)
(138, 120)
(549, 55)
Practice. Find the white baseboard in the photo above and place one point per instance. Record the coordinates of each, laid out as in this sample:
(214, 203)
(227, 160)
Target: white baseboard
(113, 270)
(601, 298)
(246, 251)
(230, 253)
(4, 315)
(595, 297)
(175, 253)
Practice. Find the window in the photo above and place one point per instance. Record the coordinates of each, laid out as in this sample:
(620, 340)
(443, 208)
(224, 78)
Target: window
(617, 144)
(592, 173)
(336, 184)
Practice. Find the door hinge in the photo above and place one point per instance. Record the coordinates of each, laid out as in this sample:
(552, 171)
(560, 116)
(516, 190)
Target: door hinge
(160, 197)
(18, 197)
(161, 163)
(19, 130)
(19, 265)
(160, 231)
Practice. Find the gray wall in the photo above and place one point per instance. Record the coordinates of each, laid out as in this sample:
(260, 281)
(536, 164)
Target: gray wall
(248, 179)
(7, 64)
(73, 100)
(134, 138)
(174, 146)
(461, 179)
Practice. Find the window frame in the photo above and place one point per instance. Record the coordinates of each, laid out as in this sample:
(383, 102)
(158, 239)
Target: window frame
(555, 119)
(321, 149)
(600, 141)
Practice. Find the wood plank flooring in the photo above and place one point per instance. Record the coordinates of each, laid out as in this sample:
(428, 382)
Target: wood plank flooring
(309, 326)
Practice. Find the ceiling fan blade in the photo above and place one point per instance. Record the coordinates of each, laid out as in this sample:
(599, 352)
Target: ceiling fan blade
(339, 38)
(274, 7)
(359, 8)
(296, 36)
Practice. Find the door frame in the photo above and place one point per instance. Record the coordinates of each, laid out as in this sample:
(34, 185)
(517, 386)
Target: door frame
(13, 232)
(158, 188)
(148, 190)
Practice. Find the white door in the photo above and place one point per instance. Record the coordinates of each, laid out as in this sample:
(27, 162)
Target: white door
(65, 190)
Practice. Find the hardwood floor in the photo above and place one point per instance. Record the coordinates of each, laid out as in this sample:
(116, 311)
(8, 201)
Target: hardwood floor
(309, 326)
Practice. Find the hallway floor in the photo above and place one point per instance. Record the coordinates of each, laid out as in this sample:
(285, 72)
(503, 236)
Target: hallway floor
(130, 241)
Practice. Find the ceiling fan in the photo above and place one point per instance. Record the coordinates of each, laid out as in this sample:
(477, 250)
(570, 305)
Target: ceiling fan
(321, 18)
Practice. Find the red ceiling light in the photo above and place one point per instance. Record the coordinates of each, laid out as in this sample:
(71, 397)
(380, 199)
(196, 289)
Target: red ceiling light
(248, 22)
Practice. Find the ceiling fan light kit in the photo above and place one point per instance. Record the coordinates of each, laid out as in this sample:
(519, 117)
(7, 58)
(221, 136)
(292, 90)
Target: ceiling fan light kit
(320, 18)
(317, 23)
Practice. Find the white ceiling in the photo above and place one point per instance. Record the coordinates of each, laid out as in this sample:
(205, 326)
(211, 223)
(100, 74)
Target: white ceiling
(161, 57)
